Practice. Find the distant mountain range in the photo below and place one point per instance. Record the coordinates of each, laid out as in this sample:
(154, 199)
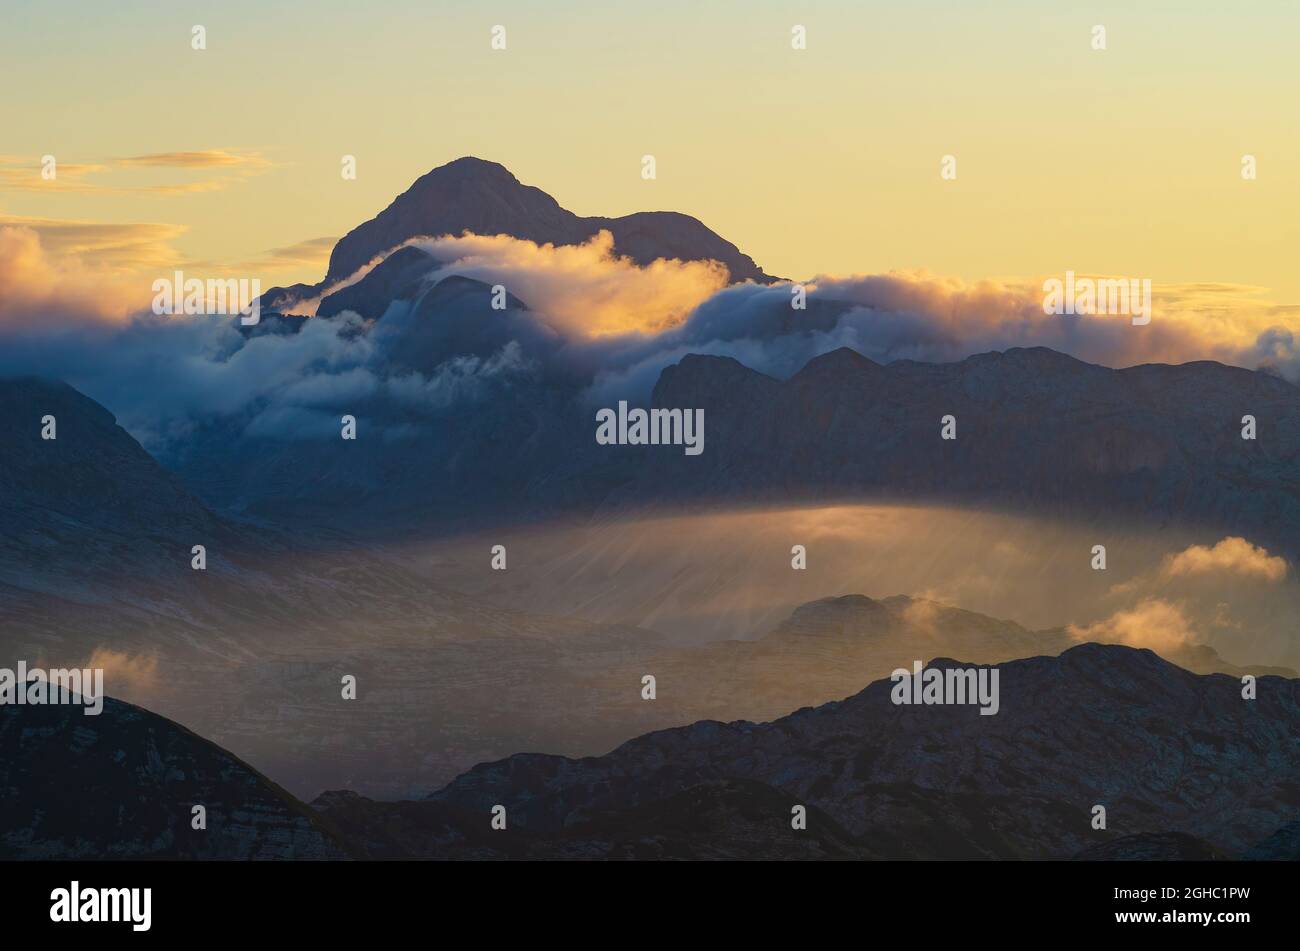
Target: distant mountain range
(1164, 750)
(276, 619)
(1036, 429)
(307, 579)
(827, 648)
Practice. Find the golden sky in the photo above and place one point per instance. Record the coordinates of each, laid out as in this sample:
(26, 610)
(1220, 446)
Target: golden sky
(824, 160)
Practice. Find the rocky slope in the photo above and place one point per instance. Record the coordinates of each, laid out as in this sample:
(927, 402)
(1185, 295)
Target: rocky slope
(123, 784)
(1165, 750)
(95, 569)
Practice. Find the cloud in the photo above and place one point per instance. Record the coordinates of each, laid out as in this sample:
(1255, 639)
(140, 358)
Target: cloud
(125, 674)
(921, 615)
(25, 175)
(18, 173)
(304, 255)
(917, 316)
(1230, 556)
(460, 379)
(1154, 623)
(592, 319)
(60, 273)
(61, 293)
(210, 158)
(165, 376)
(1230, 590)
(583, 290)
(100, 246)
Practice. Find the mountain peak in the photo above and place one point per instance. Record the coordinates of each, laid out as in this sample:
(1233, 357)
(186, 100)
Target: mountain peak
(843, 360)
(484, 197)
(1044, 358)
(468, 170)
(472, 164)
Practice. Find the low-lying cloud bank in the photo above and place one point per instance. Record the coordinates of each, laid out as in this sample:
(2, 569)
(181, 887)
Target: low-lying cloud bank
(591, 316)
(929, 319)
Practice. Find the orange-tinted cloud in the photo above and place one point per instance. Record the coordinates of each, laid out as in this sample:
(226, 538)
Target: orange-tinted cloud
(583, 289)
(940, 318)
(39, 288)
(1232, 555)
(125, 674)
(24, 174)
(1154, 623)
(103, 246)
(210, 158)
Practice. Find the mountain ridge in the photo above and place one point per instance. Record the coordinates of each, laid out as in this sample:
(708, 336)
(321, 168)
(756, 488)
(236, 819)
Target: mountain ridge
(1168, 752)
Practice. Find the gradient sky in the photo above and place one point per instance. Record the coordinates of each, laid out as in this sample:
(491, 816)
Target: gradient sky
(826, 160)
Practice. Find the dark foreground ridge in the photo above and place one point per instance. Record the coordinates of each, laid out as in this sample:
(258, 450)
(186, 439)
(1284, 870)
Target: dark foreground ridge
(1185, 767)
(1167, 752)
(123, 785)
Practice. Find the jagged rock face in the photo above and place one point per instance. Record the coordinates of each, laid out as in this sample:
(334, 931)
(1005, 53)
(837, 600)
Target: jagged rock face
(1035, 428)
(470, 194)
(123, 784)
(1163, 749)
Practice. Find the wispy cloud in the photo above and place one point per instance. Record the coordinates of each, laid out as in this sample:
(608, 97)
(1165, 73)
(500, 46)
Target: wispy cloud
(23, 174)
(304, 255)
(209, 158)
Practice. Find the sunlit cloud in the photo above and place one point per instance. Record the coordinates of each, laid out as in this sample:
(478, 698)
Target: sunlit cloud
(583, 289)
(1234, 556)
(1229, 590)
(1154, 623)
(55, 291)
(924, 317)
(210, 158)
(103, 245)
(24, 174)
(125, 673)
